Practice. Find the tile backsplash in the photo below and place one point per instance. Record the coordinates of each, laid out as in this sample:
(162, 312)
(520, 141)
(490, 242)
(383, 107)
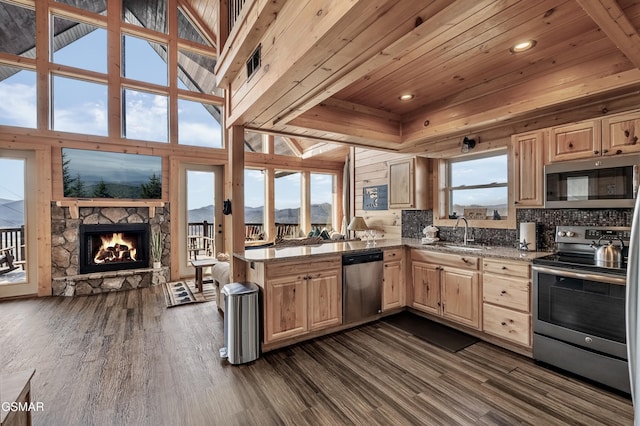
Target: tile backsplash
(413, 221)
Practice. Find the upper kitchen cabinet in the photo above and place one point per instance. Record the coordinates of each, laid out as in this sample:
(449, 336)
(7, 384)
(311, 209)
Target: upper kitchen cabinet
(620, 134)
(527, 156)
(614, 135)
(409, 185)
(574, 141)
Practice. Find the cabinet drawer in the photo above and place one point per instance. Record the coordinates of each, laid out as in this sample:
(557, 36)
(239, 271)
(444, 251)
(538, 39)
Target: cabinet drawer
(510, 293)
(507, 324)
(302, 267)
(504, 267)
(437, 258)
(392, 254)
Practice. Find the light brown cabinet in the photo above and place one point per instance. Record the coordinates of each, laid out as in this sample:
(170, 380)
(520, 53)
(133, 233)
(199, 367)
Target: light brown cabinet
(409, 186)
(574, 141)
(615, 135)
(528, 164)
(506, 295)
(446, 285)
(299, 297)
(393, 279)
(621, 133)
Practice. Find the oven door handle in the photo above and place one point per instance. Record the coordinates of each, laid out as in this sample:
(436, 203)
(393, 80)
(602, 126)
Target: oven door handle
(591, 277)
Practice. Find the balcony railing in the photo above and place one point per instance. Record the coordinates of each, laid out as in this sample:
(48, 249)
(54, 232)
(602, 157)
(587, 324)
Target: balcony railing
(255, 231)
(200, 239)
(14, 237)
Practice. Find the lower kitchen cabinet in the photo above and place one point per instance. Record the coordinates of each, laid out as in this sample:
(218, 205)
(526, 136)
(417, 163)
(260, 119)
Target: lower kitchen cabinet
(506, 299)
(446, 285)
(392, 280)
(285, 308)
(325, 299)
(299, 297)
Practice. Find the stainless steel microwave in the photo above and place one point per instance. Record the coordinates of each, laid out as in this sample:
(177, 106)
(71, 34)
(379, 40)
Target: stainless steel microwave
(607, 182)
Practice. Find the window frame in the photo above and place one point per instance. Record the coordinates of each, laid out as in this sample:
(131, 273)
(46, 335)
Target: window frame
(442, 196)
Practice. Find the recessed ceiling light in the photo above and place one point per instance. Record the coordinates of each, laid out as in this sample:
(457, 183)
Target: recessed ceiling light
(522, 46)
(406, 97)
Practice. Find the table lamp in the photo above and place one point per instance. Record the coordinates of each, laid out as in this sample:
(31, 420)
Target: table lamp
(357, 224)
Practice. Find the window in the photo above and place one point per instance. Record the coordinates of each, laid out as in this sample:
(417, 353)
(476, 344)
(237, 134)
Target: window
(287, 202)
(199, 124)
(147, 14)
(18, 94)
(322, 196)
(478, 187)
(255, 229)
(146, 116)
(253, 142)
(285, 146)
(195, 72)
(96, 6)
(188, 31)
(79, 106)
(87, 50)
(144, 60)
(18, 20)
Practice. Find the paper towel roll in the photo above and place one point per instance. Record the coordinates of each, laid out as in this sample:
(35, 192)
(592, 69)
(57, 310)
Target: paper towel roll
(528, 236)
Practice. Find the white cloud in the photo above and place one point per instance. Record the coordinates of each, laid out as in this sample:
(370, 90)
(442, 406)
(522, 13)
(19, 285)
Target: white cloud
(18, 106)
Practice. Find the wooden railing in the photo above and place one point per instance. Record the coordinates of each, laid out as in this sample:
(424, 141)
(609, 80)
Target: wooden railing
(14, 237)
(255, 231)
(200, 239)
(233, 11)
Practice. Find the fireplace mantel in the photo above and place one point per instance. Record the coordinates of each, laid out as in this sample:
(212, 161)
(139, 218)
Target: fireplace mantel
(74, 205)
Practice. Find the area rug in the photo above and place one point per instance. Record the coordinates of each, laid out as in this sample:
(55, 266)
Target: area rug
(437, 334)
(184, 292)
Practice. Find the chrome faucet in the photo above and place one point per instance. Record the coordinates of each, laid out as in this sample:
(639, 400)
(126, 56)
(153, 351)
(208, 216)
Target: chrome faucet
(466, 229)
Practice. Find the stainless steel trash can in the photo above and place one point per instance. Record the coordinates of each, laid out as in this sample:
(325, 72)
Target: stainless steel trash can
(241, 322)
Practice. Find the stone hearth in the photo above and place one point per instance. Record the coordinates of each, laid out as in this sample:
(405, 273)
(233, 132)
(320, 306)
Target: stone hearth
(65, 251)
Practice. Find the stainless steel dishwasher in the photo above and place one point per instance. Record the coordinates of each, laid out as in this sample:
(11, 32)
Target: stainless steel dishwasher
(361, 285)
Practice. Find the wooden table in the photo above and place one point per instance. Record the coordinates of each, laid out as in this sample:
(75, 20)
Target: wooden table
(200, 264)
(16, 387)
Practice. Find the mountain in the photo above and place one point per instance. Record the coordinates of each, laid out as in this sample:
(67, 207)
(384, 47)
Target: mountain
(320, 213)
(11, 213)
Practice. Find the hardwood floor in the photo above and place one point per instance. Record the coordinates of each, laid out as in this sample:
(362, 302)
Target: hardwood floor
(124, 359)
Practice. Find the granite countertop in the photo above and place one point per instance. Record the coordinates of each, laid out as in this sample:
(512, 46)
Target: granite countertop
(338, 248)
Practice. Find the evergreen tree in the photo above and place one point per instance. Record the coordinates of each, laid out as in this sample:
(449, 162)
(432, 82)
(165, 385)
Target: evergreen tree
(101, 190)
(151, 189)
(67, 180)
(77, 189)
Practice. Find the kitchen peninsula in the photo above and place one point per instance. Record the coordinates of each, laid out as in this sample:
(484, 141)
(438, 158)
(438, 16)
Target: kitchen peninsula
(484, 291)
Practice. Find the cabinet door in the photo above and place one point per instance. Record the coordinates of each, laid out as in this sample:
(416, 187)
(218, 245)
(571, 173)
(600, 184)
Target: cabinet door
(426, 287)
(460, 296)
(325, 299)
(621, 134)
(580, 140)
(286, 308)
(392, 285)
(401, 177)
(527, 154)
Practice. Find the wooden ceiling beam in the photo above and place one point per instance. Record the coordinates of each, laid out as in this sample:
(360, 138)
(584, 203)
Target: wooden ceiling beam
(359, 122)
(479, 113)
(608, 15)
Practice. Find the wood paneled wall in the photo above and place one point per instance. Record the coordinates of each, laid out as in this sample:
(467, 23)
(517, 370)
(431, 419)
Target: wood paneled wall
(371, 169)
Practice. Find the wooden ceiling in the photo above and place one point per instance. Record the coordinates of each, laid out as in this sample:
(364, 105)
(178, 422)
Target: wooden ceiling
(453, 56)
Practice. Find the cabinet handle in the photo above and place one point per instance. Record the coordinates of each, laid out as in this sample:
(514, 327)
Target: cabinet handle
(465, 260)
(604, 151)
(626, 133)
(570, 144)
(504, 267)
(515, 202)
(635, 140)
(618, 152)
(503, 292)
(503, 323)
(596, 151)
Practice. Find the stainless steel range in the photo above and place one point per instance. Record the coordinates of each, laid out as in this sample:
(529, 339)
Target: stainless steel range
(579, 306)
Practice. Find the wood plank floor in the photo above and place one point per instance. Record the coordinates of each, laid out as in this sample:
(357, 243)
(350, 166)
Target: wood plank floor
(124, 359)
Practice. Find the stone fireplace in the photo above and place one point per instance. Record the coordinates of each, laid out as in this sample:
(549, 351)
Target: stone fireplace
(82, 263)
(113, 247)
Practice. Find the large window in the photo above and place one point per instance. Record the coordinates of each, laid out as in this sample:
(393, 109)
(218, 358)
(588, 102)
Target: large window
(81, 64)
(322, 195)
(254, 204)
(478, 187)
(287, 202)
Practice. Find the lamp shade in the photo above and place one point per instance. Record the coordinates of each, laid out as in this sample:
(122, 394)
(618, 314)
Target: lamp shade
(357, 224)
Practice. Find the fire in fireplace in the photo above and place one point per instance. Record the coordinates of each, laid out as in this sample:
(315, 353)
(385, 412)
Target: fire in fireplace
(113, 247)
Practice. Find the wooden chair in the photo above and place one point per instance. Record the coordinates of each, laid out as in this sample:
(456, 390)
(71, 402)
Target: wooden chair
(6, 258)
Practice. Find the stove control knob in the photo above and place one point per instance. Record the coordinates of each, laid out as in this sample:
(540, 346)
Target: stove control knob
(571, 234)
(561, 233)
